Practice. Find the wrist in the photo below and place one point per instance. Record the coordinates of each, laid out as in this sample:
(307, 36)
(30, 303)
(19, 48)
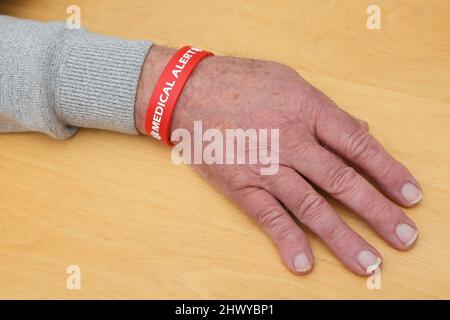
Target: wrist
(157, 58)
(155, 62)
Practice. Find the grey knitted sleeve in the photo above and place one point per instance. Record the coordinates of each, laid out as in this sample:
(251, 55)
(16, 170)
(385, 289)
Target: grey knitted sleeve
(55, 80)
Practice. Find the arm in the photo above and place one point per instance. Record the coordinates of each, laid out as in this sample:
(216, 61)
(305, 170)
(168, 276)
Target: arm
(54, 80)
(75, 78)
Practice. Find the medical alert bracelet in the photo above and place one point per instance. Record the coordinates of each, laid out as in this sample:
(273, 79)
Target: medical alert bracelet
(168, 89)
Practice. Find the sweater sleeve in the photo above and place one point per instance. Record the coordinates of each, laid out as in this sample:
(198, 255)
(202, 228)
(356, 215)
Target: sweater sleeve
(55, 80)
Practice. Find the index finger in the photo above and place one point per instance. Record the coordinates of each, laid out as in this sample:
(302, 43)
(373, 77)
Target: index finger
(343, 134)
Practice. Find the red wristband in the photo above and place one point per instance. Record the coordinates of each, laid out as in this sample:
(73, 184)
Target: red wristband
(168, 89)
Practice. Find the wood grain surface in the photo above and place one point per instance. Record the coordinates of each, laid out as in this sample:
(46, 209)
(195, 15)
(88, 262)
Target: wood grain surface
(141, 227)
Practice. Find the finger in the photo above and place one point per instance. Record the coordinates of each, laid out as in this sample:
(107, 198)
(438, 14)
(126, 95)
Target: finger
(345, 135)
(313, 210)
(332, 175)
(363, 124)
(291, 241)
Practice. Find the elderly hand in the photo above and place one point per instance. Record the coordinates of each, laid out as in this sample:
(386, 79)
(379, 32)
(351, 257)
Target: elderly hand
(229, 93)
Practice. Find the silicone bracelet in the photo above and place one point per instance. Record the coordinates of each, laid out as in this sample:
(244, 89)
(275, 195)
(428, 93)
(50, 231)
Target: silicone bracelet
(168, 89)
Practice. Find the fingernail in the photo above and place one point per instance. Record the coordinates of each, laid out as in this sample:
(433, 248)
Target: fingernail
(302, 263)
(368, 260)
(406, 234)
(411, 193)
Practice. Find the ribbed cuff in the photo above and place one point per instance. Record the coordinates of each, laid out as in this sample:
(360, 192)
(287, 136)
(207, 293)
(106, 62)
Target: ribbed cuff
(97, 79)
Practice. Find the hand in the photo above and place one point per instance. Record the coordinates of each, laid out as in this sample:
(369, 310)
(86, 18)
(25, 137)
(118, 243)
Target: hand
(226, 92)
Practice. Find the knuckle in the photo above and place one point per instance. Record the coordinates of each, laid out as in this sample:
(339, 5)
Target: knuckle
(270, 218)
(284, 233)
(341, 237)
(322, 106)
(341, 180)
(386, 171)
(312, 95)
(380, 212)
(364, 124)
(239, 180)
(361, 146)
(391, 171)
(275, 224)
(309, 206)
(317, 104)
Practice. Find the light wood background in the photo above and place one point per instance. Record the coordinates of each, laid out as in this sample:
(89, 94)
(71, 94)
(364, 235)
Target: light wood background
(140, 227)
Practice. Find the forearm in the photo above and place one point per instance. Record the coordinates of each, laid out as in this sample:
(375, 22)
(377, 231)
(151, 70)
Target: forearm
(154, 64)
(54, 80)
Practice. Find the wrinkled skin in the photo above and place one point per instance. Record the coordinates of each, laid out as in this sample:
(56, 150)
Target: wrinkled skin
(226, 92)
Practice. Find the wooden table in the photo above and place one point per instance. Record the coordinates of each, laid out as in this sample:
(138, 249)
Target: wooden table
(92, 201)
